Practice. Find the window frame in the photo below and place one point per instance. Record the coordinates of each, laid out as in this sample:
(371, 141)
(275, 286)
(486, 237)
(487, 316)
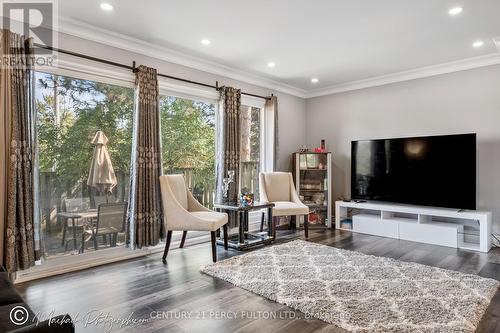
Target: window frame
(266, 132)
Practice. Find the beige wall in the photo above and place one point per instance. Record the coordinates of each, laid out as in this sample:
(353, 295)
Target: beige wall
(467, 101)
(292, 131)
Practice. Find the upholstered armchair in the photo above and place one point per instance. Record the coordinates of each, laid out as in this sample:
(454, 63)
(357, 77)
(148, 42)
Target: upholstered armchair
(182, 212)
(278, 188)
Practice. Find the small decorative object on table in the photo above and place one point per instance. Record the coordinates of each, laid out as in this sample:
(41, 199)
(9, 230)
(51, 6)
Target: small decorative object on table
(226, 182)
(246, 199)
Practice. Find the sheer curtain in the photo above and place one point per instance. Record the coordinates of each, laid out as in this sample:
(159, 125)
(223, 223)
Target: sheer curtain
(19, 219)
(269, 143)
(145, 211)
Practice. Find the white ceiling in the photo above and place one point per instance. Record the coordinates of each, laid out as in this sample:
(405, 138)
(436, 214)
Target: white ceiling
(337, 41)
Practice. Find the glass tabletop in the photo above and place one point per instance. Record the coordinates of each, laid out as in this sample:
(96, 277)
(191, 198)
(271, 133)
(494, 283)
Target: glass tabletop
(239, 207)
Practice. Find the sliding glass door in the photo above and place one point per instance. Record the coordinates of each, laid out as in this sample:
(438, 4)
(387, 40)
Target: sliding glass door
(69, 113)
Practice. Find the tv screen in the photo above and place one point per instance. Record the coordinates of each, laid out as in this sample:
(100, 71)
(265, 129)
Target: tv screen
(435, 171)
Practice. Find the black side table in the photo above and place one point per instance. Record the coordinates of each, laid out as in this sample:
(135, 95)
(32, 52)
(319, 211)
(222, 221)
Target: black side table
(245, 239)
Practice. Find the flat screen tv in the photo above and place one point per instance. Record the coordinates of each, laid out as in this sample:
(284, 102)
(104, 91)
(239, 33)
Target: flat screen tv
(437, 171)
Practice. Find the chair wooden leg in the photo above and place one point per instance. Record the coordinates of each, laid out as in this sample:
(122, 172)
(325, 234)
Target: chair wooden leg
(306, 226)
(292, 223)
(224, 228)
(183, 239)
(214, 246)
(167, 245)
(262, 222)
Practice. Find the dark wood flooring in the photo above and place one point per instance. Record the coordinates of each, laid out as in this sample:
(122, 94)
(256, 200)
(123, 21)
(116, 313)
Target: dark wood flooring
(181, 299)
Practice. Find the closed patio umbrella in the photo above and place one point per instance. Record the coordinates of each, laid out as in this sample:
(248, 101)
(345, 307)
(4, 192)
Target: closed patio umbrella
(101, 175)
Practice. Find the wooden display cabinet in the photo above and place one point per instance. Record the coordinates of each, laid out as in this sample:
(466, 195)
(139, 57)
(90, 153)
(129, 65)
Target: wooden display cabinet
(312, 174)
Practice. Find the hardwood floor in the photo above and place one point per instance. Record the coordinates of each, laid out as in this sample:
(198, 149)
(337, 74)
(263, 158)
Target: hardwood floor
(176, 297)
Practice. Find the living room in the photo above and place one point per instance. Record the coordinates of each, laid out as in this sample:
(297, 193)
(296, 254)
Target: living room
(263, 166)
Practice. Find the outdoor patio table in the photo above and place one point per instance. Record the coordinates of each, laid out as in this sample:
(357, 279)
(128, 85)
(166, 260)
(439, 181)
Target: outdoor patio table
(88, 215)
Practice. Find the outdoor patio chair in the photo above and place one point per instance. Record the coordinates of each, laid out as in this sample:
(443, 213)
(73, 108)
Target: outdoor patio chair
(74, 205)
(101, 199)
(110, 222)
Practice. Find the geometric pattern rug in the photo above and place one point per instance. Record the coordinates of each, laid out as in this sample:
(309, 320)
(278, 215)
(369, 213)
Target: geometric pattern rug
(359, 292)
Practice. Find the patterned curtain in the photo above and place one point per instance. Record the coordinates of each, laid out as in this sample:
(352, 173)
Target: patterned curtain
(19, 218)
(145, 211)
(228, 142)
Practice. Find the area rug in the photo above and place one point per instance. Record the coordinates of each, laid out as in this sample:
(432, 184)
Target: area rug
(358, 292)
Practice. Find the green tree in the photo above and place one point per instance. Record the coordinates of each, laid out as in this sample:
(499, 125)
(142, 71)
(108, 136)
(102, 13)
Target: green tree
(70, 111)
(188, 138)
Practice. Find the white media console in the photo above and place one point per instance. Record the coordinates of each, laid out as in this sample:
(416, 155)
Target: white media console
(440, 226)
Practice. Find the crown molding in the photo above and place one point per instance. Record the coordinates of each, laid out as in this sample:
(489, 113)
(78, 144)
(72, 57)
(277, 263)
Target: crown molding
(106, 37)
(418, 73)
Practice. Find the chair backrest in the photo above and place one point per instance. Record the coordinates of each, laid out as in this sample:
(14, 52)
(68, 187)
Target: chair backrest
(179, 190)
(277, 185)
(112, 216)
(101, 199)
(77, 205)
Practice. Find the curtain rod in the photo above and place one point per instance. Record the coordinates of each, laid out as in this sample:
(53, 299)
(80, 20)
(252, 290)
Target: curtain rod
(134, 68)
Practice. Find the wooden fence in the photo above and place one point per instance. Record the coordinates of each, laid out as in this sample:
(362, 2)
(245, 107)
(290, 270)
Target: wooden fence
(52, 197)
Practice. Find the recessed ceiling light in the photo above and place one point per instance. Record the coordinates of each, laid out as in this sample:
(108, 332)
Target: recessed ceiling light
(455, 11)
(271, 64)
(314, 80)
(478, 44)
(106, 6)
(205, 41)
